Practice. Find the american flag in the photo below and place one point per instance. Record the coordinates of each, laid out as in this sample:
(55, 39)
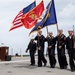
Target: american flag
(17, 21)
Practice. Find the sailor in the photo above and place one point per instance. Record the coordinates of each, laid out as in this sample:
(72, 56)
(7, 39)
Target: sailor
(70, 45)
(60, 39)
(51, 49)
(40, 44)
(32, 50)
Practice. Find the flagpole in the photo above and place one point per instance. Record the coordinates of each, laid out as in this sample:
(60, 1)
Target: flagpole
(34, 0)
(57, 27)
(47, 30)
(73, 31)
(56, 17)
(74, 35)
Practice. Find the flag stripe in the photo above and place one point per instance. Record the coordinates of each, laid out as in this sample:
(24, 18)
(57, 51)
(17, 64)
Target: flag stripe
(17, 21)
(15, 27)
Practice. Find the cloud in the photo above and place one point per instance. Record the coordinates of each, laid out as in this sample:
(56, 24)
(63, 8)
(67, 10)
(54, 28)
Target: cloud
(68, 11)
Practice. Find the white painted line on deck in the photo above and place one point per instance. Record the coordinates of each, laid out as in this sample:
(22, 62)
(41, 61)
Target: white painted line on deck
(17, 61)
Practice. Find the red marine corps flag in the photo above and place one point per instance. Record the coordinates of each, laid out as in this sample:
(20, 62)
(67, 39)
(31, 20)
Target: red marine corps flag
(30, 19)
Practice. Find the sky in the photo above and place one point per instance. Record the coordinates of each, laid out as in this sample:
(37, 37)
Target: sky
(18, 39)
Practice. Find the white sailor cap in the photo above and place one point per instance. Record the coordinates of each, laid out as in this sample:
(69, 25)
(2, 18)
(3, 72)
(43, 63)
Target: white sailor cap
(70, 30)
(60, 30)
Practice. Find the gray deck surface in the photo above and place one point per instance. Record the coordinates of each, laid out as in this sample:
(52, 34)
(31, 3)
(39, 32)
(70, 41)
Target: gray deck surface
(20, 66)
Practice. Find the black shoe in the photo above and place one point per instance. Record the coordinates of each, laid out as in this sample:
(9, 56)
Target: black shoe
(72, 70)
(61, 67)
(52, 66)
(39, 65)
(45, 64)
(33, 64)
(65, 67)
